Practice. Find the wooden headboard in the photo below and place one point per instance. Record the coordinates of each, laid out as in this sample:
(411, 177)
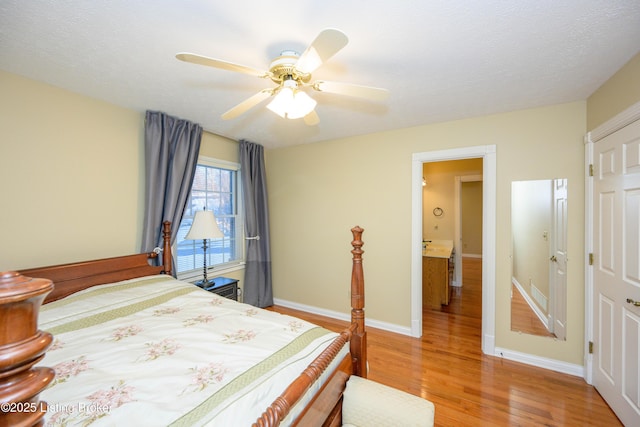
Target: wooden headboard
(74, 277)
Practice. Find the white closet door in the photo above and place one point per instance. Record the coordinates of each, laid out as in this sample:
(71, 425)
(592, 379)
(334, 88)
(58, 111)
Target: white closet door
(616, 198)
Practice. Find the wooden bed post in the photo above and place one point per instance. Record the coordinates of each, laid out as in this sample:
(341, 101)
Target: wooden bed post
(359, 339)
(327, 403)
(22, 345)
(167, 260)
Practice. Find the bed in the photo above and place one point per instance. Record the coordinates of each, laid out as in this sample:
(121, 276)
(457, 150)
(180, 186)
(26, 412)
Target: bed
(129, 344)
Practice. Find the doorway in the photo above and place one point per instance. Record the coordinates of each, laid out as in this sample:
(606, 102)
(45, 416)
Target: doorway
(488, 155)
(454, 285)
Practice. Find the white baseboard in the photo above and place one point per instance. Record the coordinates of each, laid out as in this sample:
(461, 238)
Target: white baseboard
(488, 345)
(385, 326)
(541, 362)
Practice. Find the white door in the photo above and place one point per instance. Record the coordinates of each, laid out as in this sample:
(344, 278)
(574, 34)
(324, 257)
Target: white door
(616, 200)
(558, 270)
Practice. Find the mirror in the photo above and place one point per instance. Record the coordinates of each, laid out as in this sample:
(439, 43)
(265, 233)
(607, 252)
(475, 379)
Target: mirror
(539, 257)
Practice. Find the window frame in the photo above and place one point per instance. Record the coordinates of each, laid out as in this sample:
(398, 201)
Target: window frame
(217, 269)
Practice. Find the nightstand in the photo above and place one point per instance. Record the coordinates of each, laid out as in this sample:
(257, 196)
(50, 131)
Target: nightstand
(224, 287)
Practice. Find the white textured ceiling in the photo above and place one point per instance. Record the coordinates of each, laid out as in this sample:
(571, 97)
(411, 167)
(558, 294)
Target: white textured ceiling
(440, 59)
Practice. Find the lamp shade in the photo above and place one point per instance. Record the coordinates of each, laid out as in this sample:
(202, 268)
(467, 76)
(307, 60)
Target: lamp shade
(204, 226)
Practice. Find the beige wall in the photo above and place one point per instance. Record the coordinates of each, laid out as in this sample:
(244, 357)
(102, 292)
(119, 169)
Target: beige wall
(71, 178)
(72, 175)
(619, 92)
(317, 192)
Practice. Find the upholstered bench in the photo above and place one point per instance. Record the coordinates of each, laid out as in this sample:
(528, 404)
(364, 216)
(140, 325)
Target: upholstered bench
(368, 404)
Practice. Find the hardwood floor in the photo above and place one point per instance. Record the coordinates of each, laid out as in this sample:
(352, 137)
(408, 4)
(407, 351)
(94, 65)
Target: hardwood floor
(468, 388)
(523, 319)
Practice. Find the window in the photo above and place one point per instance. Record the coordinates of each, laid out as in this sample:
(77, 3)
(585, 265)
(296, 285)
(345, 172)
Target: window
(216, 188)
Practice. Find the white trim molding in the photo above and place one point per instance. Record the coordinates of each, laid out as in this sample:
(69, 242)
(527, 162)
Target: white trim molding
(588, 269)
(488, 154)
(616, 123)
(541, 362)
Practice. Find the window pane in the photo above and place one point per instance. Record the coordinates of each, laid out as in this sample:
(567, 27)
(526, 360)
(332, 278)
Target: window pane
(215, 189)
(197, 202)
(225, 181)
(226, 207)
(200, 178)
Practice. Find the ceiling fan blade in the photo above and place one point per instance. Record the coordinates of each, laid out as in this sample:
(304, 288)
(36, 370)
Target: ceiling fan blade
(325, 45)
(368, 92)
(248, 103)
(218, 63)
(312, 118)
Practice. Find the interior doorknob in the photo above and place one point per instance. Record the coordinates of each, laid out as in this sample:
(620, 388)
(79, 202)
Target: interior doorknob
(635, 303)
(553, 258)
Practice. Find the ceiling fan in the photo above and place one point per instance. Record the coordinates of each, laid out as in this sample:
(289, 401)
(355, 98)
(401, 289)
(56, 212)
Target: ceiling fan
(292, 74)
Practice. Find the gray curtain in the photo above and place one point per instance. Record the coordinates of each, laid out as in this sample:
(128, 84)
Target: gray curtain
(257, 273)
(171, 155)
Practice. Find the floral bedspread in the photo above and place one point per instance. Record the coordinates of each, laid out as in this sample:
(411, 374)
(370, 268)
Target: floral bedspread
(156, 351)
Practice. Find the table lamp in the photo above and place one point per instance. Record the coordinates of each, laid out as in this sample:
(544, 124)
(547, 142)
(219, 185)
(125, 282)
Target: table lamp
(204, 227)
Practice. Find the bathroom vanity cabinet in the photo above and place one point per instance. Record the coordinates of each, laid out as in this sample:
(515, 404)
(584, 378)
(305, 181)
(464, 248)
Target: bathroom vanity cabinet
(437, 274)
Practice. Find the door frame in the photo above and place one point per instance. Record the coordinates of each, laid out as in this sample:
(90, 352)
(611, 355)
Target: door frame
(457, 232)
(612, 125)
(488, 155)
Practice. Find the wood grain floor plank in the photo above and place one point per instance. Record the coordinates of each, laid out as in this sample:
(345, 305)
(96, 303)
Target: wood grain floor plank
(468, 388)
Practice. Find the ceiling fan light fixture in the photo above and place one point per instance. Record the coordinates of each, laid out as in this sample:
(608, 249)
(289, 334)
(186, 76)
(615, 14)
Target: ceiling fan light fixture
(303, 105)
(281, 102)
(290, 103)
(291, 72)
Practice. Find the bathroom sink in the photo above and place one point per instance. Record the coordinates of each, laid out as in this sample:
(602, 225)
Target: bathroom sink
(438, 248)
